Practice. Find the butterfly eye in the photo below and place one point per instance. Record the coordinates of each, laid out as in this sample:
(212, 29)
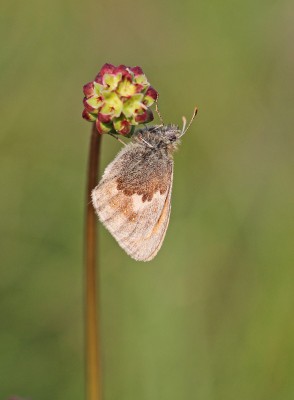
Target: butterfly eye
(172, 138)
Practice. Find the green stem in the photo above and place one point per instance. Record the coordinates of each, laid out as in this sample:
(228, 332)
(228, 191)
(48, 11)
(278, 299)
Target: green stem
(92, 331)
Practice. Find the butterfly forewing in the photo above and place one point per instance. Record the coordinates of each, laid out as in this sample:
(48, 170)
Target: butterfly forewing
(133, 198)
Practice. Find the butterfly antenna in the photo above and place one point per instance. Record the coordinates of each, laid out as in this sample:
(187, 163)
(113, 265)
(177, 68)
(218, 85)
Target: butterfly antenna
(158, 113)
(184, 119)
(184, 129)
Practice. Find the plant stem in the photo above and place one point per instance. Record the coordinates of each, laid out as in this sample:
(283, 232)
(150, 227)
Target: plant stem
(92, 332)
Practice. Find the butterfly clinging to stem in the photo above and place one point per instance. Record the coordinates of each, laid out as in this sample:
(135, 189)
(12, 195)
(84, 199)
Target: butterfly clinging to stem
(133, 197)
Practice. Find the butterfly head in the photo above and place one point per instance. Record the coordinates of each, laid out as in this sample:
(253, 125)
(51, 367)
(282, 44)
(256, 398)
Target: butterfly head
(159, 137)
(166, 137)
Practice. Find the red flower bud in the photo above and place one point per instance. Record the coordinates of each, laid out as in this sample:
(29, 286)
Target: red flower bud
(152, 93)
(88, 116)
(137, 71)
(88, 89)
(124, 71)
(102, 127)
(106, 69)
(144, 117)
(91, 104)
(99, 79)
(139, 87)
(104, 117)
(87, 106)
(122, 126)
(125, 129)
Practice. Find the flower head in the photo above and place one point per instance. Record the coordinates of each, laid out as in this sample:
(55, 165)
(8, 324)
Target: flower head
(119, 99)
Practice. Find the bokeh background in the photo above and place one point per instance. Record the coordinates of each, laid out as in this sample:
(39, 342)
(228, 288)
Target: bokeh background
(211, 317)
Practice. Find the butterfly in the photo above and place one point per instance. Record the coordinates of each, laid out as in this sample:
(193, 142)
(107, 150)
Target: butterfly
(133, 197)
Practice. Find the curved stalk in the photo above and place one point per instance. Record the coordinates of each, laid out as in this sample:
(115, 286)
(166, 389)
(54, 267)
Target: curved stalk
(92, 331)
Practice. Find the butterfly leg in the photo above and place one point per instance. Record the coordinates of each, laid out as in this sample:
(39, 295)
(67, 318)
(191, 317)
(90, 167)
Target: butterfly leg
(115, 137)
(158, 113)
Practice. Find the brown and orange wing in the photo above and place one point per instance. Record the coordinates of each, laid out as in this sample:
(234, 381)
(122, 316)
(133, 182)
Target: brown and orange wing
(133, 200)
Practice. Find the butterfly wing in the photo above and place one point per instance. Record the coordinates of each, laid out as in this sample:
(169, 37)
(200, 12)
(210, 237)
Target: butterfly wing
(133, 200)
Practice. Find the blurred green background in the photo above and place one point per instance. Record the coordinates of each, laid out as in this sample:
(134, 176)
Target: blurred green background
(211, 317)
